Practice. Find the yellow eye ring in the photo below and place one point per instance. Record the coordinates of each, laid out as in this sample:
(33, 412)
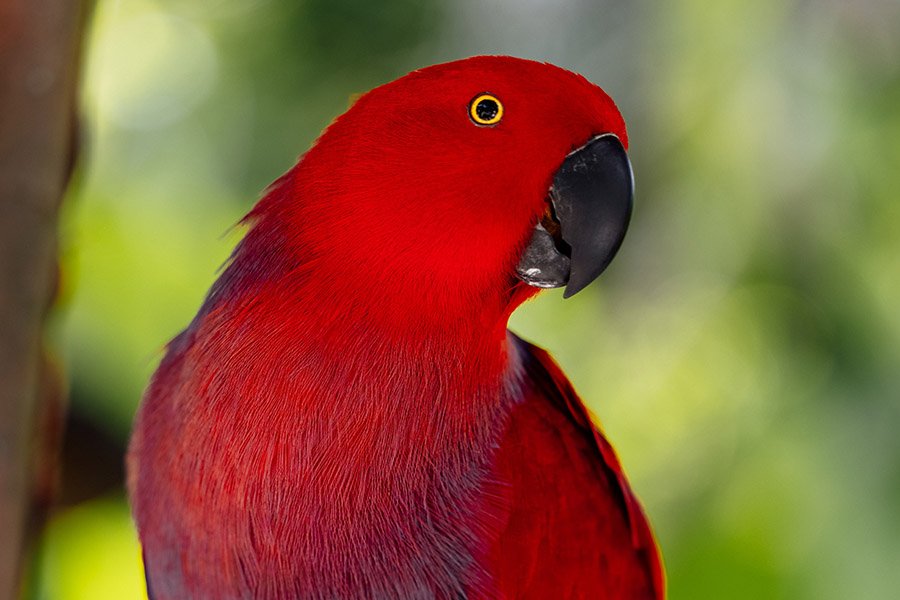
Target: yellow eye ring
(485, 110)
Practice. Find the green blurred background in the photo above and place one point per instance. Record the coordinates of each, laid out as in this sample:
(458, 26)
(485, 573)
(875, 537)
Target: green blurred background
(743, 351)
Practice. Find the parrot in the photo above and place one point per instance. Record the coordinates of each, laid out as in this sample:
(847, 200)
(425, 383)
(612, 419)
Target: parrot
(348, 415)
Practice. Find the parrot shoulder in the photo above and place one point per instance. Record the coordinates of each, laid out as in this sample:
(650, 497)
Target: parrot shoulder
(573, 519)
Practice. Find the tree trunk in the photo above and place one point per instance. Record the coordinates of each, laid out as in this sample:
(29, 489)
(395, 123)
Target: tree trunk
(39, 56)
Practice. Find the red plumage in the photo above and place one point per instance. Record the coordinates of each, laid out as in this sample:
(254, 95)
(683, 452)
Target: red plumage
(347, 417)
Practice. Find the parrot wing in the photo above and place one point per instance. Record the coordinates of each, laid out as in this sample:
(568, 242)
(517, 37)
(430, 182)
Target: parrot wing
(575, 529)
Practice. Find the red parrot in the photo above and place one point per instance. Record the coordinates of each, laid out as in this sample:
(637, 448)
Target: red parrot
(347, 415)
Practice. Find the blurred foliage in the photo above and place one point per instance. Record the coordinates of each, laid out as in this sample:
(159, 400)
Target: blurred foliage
(742, 352)
(92, 552)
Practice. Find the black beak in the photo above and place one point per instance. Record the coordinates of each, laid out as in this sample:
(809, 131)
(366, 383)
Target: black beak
(590, 206)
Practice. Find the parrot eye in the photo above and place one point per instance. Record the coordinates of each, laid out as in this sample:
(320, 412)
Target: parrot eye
(485, 110)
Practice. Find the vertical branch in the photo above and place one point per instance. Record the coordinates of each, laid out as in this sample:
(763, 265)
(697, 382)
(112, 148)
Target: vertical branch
(39, 55)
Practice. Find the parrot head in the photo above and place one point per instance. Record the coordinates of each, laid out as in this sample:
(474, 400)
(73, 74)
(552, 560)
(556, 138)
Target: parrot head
(478, 180)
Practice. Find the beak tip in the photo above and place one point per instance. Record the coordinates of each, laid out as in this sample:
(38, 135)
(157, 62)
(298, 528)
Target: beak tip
(577, 283)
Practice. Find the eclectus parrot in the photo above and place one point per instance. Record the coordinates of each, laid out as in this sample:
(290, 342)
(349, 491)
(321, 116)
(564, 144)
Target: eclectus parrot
(347, 415)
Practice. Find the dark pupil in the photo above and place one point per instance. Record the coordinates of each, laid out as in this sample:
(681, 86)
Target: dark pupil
(487, 109)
